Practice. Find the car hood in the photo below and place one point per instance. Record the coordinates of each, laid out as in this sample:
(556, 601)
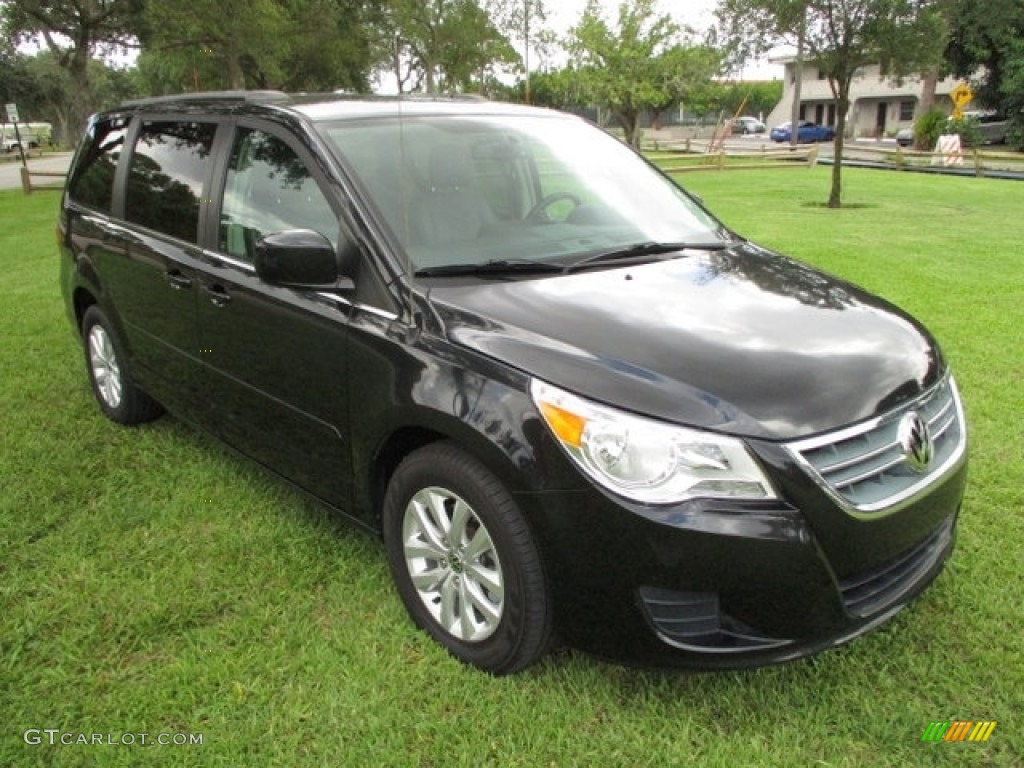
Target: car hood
(742, 341)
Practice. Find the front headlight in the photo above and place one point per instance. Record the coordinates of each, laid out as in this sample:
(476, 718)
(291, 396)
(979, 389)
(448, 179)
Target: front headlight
(646, 460)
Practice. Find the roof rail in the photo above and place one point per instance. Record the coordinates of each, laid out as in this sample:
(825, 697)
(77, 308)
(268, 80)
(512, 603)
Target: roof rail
(243, 96)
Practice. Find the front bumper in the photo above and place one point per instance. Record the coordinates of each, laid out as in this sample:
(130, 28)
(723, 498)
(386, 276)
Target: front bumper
(729, 585)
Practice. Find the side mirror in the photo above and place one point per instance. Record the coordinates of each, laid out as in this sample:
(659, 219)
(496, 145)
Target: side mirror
(299, 258)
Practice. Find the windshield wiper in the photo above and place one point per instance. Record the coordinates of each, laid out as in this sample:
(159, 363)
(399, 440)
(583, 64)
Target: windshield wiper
(642, 250)
(493, 267)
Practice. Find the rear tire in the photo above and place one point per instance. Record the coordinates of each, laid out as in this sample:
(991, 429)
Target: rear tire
(464, 561)
(118, 396)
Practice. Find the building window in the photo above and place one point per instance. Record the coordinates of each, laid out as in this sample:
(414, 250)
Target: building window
(906, 111)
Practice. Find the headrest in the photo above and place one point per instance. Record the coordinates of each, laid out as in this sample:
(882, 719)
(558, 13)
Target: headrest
(451, 167)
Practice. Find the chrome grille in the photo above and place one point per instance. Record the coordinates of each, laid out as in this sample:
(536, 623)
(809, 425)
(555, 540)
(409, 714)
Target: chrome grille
(865, 466)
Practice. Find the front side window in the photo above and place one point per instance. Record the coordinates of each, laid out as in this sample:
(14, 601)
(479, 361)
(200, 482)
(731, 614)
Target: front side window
(269, 189)
(166, 176)
(93, 182)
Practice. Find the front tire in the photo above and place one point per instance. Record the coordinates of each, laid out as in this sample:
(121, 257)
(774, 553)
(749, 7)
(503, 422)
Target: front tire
(464, 561)
(118, 396)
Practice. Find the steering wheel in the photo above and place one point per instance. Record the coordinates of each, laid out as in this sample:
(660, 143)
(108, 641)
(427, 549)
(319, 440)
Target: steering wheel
(538, 214)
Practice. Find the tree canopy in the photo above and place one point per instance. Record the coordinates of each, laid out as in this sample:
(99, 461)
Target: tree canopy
(74, 32)
(640, 62)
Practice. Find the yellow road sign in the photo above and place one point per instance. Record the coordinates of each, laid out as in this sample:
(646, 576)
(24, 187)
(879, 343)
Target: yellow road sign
(962, 95)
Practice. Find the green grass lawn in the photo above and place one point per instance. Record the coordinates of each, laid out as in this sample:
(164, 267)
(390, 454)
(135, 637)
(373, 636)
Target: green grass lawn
(150, 582)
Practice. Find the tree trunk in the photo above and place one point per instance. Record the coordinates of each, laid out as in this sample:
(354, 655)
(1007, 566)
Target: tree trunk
(929, 82)
(79, 102)
(629, 120)
(236, 80)
(835, 197)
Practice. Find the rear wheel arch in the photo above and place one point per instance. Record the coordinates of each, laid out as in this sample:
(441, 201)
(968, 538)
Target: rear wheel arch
(82, 300)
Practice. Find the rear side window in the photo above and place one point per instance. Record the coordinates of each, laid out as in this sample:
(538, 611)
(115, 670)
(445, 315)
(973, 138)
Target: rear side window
(168, 169)
(93, 182)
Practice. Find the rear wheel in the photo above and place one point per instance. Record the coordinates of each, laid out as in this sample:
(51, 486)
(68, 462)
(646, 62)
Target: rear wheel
(118, 396)
(464, 561)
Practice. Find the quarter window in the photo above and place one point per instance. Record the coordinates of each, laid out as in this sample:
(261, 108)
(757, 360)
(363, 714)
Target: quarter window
(269, 189)
(93, 183)
(166, 176)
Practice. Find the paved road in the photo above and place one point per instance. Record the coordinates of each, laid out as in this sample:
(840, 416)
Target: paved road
(57, 162)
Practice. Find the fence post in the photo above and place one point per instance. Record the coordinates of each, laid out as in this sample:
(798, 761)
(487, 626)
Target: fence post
(979, 167)
(26, 181)
(812, 156)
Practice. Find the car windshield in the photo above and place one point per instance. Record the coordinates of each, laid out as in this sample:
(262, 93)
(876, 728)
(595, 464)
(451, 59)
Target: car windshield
(480, 189)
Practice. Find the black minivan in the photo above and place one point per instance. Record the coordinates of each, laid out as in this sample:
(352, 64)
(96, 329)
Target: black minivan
(572, 402)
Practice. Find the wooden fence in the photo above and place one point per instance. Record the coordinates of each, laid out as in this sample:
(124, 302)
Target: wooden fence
(28, 187)
(695, 155)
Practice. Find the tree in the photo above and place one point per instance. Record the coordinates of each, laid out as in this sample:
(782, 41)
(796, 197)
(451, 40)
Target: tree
(839, 37)
(986, 47)
(295, 45)
(441, 45)
(639, 64)
(683, 73)
(74, 31)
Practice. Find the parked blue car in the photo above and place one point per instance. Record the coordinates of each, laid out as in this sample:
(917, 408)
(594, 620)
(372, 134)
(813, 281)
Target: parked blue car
(808, 132)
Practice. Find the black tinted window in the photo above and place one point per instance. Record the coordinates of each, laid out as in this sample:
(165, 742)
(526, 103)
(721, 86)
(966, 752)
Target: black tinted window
(269, 189)
(166, 176)
(93, 183)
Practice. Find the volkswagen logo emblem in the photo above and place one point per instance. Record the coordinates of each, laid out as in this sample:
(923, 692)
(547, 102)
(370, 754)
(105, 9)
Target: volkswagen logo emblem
(916, 442)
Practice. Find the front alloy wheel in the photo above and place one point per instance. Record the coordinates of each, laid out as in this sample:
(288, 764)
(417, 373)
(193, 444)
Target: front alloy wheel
(453, 564)
(464, 560)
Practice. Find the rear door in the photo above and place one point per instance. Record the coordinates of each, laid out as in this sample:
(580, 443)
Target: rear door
(274, 360)
(150, 281)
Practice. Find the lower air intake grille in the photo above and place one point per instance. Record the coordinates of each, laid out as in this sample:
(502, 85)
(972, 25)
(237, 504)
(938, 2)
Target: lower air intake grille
(694, 621)
(872, 591)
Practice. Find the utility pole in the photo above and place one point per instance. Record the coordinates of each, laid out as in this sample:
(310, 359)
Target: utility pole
(526, 45)
(794, 120)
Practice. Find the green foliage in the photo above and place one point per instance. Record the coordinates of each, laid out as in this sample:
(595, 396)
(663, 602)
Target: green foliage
(928, 128)
(441, 45)
(967, 129)
(727, 98)
(299, 45)
(639, 63)
(986, 47)
(935, 123)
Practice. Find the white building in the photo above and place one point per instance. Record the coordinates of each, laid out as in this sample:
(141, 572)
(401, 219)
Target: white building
(879, 105)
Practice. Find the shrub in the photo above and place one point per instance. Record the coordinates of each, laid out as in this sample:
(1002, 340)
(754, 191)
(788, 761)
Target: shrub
(967, 129)
(928, 128)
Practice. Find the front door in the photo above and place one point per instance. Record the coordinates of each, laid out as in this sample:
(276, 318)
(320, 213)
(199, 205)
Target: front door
(883, 113)
(275, 359)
